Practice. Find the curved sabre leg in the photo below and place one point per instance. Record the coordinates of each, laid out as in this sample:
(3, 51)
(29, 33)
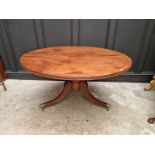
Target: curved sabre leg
(59, 98)
(91, 98)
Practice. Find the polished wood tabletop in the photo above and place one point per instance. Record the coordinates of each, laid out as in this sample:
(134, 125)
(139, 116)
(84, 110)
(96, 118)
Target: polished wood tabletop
(75, 65)
(75, 62)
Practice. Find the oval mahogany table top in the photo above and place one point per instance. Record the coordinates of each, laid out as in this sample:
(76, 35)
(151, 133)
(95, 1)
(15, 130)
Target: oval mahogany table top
(75, 63)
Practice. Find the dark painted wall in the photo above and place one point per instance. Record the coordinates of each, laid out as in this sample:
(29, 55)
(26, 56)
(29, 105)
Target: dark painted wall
(136, 38)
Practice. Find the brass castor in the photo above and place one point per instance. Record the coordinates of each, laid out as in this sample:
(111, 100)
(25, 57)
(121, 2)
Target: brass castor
(108, 107)
(42, 107)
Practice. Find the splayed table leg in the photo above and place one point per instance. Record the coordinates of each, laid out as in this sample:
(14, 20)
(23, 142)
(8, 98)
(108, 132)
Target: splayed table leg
(65, 91)
(87, 95)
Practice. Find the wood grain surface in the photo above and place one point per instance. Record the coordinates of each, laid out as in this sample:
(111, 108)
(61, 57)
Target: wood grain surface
(75, 63)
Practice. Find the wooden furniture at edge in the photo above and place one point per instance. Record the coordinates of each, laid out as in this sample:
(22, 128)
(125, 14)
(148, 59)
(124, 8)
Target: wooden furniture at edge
(2, 75)
(150, 86)
(75, 65)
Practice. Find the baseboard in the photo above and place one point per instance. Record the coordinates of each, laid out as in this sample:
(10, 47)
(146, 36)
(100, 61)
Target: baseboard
(127, 77)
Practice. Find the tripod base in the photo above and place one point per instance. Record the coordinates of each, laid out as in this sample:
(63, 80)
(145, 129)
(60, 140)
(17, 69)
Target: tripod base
(75, 86)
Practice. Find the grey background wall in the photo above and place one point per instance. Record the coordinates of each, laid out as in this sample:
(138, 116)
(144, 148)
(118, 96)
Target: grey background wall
(136, 38)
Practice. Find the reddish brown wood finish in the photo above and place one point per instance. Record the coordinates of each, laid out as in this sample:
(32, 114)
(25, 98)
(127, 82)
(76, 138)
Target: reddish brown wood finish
(2, 72)
(75, 85)
(59, 98)
(83, 87)
(87, 95)
(2, 75)
(76, 63)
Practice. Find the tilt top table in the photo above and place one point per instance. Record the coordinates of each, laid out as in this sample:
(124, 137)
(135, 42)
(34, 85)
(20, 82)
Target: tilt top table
(75, 65)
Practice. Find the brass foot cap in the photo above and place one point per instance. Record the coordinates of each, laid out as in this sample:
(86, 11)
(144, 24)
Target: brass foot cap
(108, 107)
(42, 107)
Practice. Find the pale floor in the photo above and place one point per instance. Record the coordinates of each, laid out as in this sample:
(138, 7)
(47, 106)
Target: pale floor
(20, 114)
